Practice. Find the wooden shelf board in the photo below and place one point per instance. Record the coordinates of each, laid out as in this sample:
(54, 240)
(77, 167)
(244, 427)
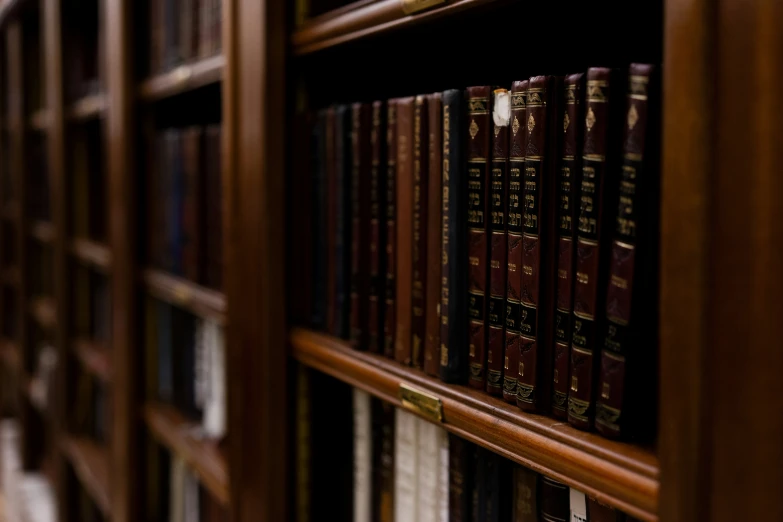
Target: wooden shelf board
(10, 211)
(86, 108)
(10, 276)
(171, 429)
(91, 253)
(39, 120)
(184, 78)
(94, 357)
(43, 231)
(44, 310)
(616, 473)
(362, 18)
(90, 461)
(180, 292)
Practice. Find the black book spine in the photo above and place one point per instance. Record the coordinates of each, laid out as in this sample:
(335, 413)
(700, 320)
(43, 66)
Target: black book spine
(460, 478)
(318, 225)
(453, 307)
(478, 491)
(343, 167)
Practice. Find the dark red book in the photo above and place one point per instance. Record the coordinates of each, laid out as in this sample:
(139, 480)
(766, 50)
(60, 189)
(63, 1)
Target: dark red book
(403, 351)
(434, 236)
(479, 131)
(420, 258)
(389, 313)
(377, 228)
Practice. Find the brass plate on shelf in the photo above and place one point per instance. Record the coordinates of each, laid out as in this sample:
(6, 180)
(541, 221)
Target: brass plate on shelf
(414, 6)
(421, 402)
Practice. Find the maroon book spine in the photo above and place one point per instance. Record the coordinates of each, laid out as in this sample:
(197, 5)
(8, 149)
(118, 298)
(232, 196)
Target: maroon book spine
(631, 305)
(434, 238)
(377, 232)
(570, 174)
(538, 243)
(420, 257)
(360, 223)
(597, 205)
(498, 242)
(479, 109)
(516, 165)
(404, 276)
(389, 313)
(331, 220)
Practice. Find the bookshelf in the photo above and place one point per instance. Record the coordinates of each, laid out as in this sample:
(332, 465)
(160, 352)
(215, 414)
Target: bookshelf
(74, 243)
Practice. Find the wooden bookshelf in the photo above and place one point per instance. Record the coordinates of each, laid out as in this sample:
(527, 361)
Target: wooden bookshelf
(39, 120)
(94, 357)
(43, 310)
(91, 253)
(10, 277)
(10, 211)
(183, 78)
(42, 231)
(198, 300)
(90, 461)
(87, 108)
(179, 435)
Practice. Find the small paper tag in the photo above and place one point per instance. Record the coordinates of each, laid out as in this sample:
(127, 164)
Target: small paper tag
(578, 506)
(501, 114)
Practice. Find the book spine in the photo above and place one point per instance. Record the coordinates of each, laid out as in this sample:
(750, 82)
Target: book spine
(496, 345)
(596, 198)
(420, 258)
(360, 223)
(404, 277)
(383, 462)
(427, 471)
(303, 444)
(460, 477)
(377, 232)
(577, 506)
(214, 202)
(389, 315)
(318, 198)
(362, 457)
(330, 231)
(631, 307)
(479, 109)
(478, 497)
(453, 311)
(497, 488)
(343, 213)
(405, 467)
(568, 186)
(524, 495)
(443, 476)
(516, 165)
(553, 500)
(191, 205)
(433, 233)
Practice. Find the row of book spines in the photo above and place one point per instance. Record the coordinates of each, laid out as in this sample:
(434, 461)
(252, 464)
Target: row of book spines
(183, 30)
(185, 204)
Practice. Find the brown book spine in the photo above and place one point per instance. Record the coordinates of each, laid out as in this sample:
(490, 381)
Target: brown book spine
(404, 276)
(631, 307)
(331, 221)
(597, 512)
(570, 175)
(433, 228)
(554, 500)
(420, 258)
(498, 243)
(524, 495)
(460, 478)
(192, 213)
(377, 231)
(596, 199)
(516, 166)
(389, 314)
(538, 243)
(360, 223)
(479, 110)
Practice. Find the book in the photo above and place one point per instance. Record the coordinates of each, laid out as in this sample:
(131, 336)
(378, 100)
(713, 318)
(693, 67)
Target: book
(516, 166)
(213, 206)
(628, 353)
(390, 309)
(497, 488)
(553, 500)
(192, 210)
(498, 250)
(406, 484)
(383, 461)
(460, 478)
(420, 149)
(569, 184)
(343, 211)
(434, 236)
(333, 199)
(453, 310)
(598, 512)
(428, 470)
(215, 401)
(362, 456)
(598, 202)
(318, 199)
(524, 495)
(577, 506)
(444, 478)
(478, 491)
(165, 352)
(376, 306)
(479, 109)
(403, 351)
(361, 124)
(542, 113)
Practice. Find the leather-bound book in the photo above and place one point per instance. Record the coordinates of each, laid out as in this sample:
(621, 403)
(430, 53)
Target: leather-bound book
(478, 491)
(453, 279)
(433, 232)
(598, 204)
(420, 258)
(330, 212)
(539, 245)
(597, 512)
(569, 183)
(553, 500)
(627, 382)
(479, 131)
(383, 461)
(377, 228)
(343, 164)
(496, 344)
(403, 352)
(319, 222)
(497, 488)
(361, 156)
(193, 214)
(524, 495)
(214, 206)
(516, 166)
(460, 477)
(390, 252)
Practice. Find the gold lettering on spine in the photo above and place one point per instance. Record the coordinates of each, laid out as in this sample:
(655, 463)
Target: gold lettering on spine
(444, 289)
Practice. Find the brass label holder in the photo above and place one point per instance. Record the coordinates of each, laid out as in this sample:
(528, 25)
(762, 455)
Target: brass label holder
(421, 402)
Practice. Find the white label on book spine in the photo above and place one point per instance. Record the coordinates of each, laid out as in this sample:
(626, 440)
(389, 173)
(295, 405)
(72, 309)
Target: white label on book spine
(405, 466)
(578, 506)
(362, 457)
(443, 475)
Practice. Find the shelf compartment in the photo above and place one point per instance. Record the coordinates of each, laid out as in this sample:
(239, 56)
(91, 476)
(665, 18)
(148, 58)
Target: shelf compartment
(10, 276)
(92, 253)
(90, 461)
(171, 429)
(94, 357)
(196, 299)
(364, 18)
(43, 231)
(44, 310)
(619, 474)
(39, 120)
(183, 78)
(87, 108)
